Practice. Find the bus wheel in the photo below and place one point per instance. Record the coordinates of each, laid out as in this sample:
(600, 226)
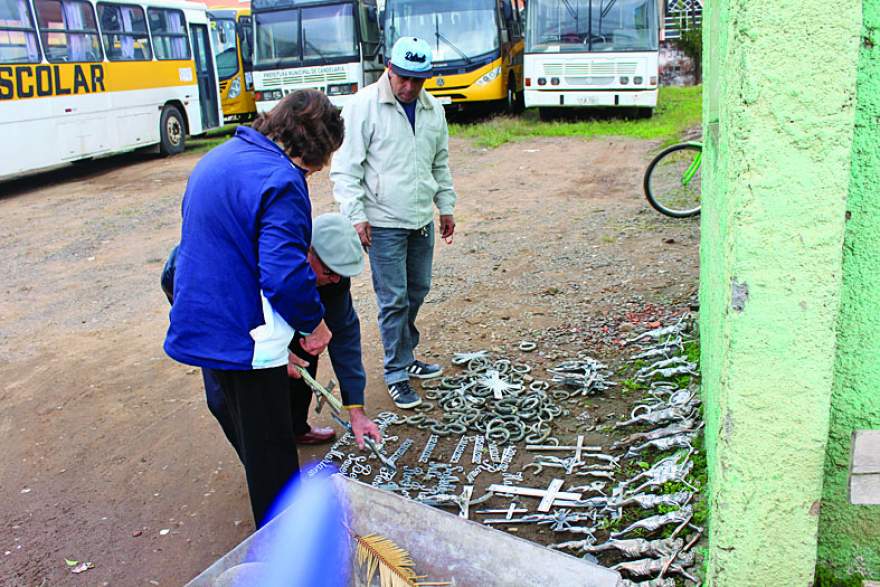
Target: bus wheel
(546, 114)
(172, 131)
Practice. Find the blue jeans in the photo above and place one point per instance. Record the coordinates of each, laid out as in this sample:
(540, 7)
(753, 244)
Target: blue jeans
(400, 260)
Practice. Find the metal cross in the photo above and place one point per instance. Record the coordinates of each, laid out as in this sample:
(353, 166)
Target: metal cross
(548, 496)
(554, 447)
(508, 513)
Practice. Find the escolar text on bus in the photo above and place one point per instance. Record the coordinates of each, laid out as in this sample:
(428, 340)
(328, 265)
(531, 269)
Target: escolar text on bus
(30, 81)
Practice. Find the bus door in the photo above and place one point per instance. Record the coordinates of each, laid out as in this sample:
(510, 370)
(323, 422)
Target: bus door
(209, 99)
(246, 38)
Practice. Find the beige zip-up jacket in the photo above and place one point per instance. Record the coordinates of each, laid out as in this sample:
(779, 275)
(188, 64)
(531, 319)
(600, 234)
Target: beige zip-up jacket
(385, 174)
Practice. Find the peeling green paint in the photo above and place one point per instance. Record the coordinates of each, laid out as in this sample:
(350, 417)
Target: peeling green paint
(849, 540)
(778, 118)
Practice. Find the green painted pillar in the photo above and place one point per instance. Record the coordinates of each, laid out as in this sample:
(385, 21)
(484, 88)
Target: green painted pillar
(849, 536)
(778, 117)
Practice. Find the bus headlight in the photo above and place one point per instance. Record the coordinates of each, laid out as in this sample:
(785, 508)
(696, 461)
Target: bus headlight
(637, 80)
(342, 89)
(234, 89)
(624, 80)
(489, 77)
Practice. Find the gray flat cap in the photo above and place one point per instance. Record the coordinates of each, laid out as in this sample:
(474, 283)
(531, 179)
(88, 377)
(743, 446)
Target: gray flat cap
(337, 244)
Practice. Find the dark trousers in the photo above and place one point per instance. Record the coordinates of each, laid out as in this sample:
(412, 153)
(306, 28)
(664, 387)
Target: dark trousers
(300, 401)
(256, 417)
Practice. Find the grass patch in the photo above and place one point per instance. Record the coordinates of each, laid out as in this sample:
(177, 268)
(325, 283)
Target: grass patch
(631, 384)
(692, 351)
(210, 139)
(678, 108)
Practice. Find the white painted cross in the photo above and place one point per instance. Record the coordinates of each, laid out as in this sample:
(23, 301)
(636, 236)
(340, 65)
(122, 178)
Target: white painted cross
(548, 496)
(508, 513)
(555, 447)
(465, 503)
(578, 449)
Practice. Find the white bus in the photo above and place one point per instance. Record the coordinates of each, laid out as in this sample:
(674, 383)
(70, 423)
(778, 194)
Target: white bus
(591, 53)
(330, 46)
(86, 78)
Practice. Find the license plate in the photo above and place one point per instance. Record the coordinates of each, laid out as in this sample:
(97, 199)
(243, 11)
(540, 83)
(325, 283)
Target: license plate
(445, 100)
(588, 100)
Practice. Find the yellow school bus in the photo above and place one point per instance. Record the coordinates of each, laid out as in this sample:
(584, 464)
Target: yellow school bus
(477, 46)
(233, 35)
(85, 78)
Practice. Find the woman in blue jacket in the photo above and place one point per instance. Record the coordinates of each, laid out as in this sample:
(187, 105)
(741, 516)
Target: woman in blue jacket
(243, 284)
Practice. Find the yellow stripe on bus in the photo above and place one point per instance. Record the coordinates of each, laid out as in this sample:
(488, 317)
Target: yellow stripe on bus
(22, 82)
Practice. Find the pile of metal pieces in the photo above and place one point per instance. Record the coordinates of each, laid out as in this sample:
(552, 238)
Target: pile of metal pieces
(345, 457)
(497, 400)
(594, 490)
(592, 495)
(502, 401)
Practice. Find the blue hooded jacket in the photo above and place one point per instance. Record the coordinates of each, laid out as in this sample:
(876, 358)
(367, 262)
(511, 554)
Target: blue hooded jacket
(242, 282)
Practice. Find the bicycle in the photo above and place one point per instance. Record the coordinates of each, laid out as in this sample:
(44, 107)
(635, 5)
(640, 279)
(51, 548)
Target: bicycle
(672, 180)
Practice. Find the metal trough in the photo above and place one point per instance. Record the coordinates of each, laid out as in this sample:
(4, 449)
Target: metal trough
(443, 546)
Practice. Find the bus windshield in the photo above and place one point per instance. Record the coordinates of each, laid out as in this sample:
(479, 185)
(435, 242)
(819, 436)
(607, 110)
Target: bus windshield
(591, 25)
(225, 47)
(306, 36)
(457, 30)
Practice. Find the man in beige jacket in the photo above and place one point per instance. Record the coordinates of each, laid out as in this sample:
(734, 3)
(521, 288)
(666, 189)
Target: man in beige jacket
(390, 172)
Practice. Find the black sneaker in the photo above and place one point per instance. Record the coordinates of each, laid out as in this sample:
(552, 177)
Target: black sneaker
(421, 370)
(403, 395)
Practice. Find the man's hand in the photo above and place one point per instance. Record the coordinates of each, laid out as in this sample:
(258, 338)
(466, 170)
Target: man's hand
(317, 341)
(447, 227)
(292, 363)
(362, 426)
(364, 233)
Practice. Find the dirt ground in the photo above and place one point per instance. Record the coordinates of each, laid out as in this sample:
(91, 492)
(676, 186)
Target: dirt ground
(108, 443)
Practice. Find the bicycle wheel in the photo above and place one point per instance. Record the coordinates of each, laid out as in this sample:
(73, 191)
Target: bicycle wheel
(672, 180)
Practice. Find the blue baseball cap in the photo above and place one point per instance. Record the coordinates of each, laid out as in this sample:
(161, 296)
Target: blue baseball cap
(411, 57)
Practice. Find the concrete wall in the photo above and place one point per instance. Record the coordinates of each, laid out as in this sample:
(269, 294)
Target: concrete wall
(779, 108)
(849, 541)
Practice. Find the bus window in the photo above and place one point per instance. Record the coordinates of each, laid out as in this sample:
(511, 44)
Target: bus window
(328, 32)
(169, 33)
(278, 37)
(69, 31)
(18, 39)
(457, 31)
(246, 36)
(125, 32)
(225, 47)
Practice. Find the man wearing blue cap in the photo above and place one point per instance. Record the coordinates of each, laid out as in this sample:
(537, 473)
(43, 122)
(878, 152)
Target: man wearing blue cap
(392, 168)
